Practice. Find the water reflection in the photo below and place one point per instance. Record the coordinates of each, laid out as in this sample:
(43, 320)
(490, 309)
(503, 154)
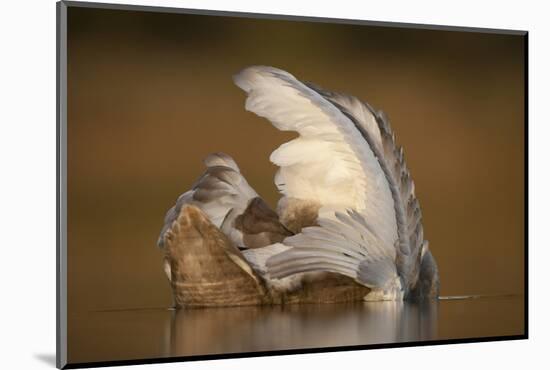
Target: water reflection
(153, 333)
(248, 329)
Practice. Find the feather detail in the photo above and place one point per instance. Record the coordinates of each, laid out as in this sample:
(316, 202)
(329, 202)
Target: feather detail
(222, 193)
(221, 159)
(376, 129)
(287, 103)
(191, 243)
(257, 257)
(329, 163)
(345, 245)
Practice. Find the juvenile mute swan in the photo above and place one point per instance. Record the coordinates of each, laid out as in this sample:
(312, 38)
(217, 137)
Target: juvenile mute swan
(348, 225)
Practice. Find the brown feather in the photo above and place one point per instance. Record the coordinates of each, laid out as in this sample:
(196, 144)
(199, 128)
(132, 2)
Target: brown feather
(326, 288)
(206, 268)
(298, 213)
(260, 225)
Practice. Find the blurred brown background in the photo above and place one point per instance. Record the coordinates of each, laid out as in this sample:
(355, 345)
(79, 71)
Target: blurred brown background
(151, 94)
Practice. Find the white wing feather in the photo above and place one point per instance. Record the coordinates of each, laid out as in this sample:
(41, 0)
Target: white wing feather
(347, 246)
(376, 129)
(329, 162)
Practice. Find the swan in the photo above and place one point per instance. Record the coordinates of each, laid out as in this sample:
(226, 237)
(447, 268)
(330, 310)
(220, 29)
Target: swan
(348, 225)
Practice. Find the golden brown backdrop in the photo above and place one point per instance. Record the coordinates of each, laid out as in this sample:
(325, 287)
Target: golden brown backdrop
(151, 94)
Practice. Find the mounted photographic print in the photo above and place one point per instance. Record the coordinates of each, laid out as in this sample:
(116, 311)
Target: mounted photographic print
(235, 185)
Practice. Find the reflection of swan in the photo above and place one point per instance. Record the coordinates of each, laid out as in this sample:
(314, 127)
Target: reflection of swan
(261, 328)
(347, 227)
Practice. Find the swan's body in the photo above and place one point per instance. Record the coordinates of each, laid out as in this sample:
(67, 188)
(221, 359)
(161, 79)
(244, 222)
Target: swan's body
(348, 220)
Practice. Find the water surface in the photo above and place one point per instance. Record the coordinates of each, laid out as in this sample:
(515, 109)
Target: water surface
(156, 333)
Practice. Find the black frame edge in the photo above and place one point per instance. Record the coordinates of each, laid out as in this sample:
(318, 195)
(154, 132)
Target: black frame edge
(526, 182)
(290, 352)
(61, 124)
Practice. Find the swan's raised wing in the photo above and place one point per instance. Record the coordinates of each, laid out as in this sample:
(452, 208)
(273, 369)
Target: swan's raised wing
(375, 127)
(345, 159)
(330, 163)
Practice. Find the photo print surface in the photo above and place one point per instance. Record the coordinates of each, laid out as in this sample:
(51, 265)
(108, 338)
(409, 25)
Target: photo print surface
(152, 95)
